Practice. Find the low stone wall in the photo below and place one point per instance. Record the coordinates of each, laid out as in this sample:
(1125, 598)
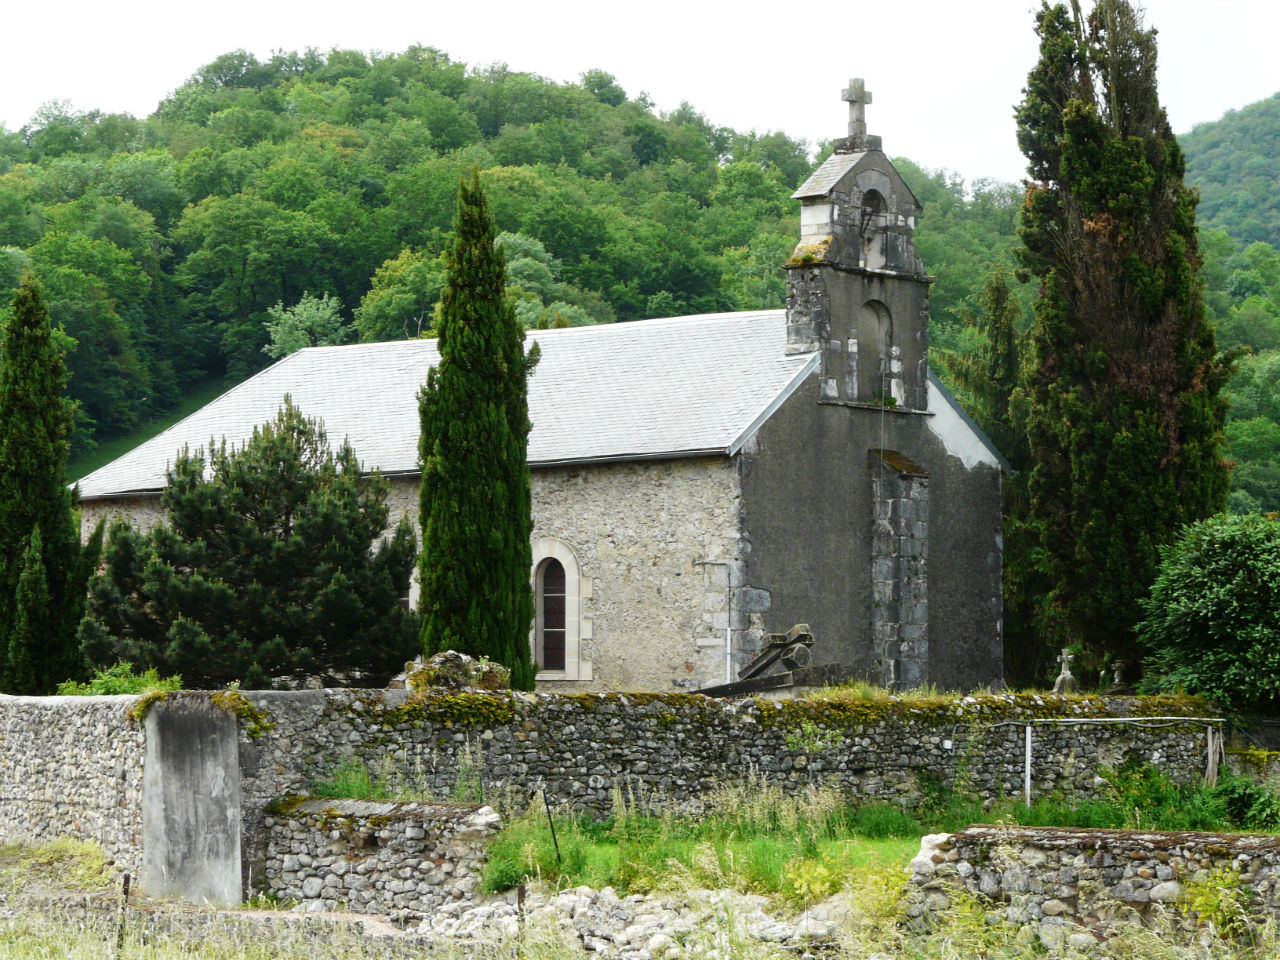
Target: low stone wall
(1058, 876)
(405, 859)
(72, 767)
(673, 749)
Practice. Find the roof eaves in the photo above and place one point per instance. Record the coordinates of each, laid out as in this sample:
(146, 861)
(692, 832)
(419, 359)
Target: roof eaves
(771, 408)
(689, 454)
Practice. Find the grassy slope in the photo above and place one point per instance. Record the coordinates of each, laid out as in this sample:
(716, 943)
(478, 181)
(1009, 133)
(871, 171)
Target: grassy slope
(89, 461)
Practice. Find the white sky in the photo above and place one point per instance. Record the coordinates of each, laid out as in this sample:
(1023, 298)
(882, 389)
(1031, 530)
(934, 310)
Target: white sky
(944, 74)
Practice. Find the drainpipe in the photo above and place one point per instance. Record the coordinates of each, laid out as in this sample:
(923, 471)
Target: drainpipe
(728, 613)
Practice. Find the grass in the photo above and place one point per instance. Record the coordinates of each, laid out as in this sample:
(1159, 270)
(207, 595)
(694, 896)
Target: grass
(871, 887)
(750, 838)
(754, 838)
(80, 466)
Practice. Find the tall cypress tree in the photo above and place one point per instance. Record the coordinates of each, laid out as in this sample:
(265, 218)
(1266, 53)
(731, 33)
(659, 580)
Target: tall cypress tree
(476, 511)
(1124, 410)
(35, 424)
(33, 619)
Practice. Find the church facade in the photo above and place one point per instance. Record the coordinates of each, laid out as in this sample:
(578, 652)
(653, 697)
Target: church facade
(702, 482)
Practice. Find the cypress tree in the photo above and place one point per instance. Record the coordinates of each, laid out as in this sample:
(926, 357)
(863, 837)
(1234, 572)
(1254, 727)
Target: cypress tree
(1124, 407)
(35, 424)
(476, 511)
(32, 620)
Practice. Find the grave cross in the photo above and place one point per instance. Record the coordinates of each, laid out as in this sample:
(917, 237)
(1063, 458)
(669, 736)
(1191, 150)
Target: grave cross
(858, 96)
(1065, 683)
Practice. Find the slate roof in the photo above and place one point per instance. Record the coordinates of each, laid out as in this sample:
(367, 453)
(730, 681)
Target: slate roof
(822, 180)
(683, 386)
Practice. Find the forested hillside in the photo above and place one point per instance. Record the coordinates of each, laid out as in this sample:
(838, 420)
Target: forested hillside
(307, 198)
(165, 243)
(1235, 162)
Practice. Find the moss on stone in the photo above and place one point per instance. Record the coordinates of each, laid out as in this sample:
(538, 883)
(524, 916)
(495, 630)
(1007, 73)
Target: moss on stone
(286, 805)
(1257, 758)
(464, 709)
(936, 711)
(138, 712)
(255, 722)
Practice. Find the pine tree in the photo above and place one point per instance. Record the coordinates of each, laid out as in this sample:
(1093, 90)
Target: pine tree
(35, 424)
(476, 509)
(1124, 412)
(263, 571)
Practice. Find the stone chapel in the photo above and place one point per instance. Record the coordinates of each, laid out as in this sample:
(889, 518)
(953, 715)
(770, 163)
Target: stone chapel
(702, 482)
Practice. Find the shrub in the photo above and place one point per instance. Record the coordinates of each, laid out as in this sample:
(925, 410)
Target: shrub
(1213, 617)
(118, 679)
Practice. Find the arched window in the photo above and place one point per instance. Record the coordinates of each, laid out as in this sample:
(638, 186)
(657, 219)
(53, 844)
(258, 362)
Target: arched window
(871, 225)
(549, 651)
(879, 367)
(558, 624)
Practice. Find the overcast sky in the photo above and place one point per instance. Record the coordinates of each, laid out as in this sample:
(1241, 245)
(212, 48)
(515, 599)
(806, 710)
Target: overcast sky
(944, 74)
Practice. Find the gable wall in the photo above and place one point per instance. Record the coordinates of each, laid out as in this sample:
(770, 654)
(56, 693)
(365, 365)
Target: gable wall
(808, 514)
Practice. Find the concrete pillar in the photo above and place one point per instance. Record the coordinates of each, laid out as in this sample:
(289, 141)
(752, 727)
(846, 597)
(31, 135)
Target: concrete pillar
(191, 803)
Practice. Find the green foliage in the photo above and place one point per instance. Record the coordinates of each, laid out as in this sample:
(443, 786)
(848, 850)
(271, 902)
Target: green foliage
(34, 620)
(1253, 433)
(1124, 402)
(264, 571)
(751, 837)
(475, 501)
(259, 180)
(402, 298)
(1218, 902)
(43, 568)
(117, 679)
(1234, 163)
(311, 322)
(1213, 614)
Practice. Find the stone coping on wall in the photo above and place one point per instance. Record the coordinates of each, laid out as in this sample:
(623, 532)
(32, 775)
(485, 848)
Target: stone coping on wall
(1064, 877)
(406, 859)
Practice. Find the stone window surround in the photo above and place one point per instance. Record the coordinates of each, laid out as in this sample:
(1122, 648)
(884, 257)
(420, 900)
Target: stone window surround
(576, 629)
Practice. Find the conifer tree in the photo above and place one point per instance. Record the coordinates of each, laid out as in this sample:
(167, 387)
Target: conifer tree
(35, 424)
(1124, 412)
(263, 570)
(32, 620)
(476, 511)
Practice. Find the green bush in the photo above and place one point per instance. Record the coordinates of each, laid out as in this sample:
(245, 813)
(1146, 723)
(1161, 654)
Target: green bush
(1213, 617)
(118, 679)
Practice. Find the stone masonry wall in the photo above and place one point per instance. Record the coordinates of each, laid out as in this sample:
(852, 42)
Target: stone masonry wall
(673, 750)
(72, 767)
(142, 513)
(1063, 879)
(899, 571)
(658, 551)
(406, 859)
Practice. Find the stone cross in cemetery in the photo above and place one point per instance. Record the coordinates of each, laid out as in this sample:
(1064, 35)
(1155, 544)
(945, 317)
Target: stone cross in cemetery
(858, 96)
(1065, 683)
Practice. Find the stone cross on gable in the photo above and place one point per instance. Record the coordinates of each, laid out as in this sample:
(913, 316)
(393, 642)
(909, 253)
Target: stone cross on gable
(858, 96)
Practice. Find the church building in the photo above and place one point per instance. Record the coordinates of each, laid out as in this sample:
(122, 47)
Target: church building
(702, 482)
